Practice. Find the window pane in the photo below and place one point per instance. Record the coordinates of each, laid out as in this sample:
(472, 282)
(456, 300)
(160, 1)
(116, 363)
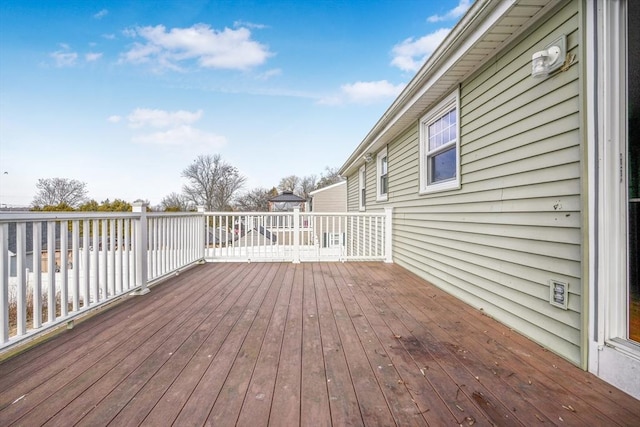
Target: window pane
(442, 167)
(384, 165)
(383, 184)
(442, 131)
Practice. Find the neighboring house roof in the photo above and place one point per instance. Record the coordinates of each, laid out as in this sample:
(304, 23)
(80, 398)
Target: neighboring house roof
(221, 235)
(329, 187)
(287, 196)
(258, 230)
(486, 27)
(44, 238)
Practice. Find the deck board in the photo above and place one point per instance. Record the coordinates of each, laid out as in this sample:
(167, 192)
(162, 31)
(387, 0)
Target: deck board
(299, 344)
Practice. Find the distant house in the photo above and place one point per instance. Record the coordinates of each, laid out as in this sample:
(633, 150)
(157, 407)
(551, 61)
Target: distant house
(512, 163)
(332, 198)
(220, 236)
(29, 244)
(258, 236)
(286, 202)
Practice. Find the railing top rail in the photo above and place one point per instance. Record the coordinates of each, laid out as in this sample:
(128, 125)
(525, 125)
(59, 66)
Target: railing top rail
(61, 216)
(6, 217)
(366, 214)
(53, 216)
(172, 214)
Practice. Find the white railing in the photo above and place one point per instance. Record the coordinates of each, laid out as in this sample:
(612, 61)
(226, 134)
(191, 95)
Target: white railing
(298, 236)
(57, 266)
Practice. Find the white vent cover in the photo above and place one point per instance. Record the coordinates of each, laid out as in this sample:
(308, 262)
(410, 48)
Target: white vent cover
(558, 293)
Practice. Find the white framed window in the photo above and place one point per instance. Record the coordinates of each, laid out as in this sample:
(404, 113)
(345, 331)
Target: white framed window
(333, 240)
(382, 176)
(362, 188)
(440, 146)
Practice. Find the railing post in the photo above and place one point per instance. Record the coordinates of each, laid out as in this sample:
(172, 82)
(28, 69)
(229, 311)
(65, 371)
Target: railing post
(296, 235)
(203, 232)
(388, 234)
(4, 282)
(141, 248)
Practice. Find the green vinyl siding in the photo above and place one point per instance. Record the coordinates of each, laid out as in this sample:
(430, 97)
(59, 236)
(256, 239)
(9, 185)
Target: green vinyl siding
(516, 221)
(352, 193)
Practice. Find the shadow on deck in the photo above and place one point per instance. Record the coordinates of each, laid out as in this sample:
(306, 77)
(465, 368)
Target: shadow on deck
(300, 344)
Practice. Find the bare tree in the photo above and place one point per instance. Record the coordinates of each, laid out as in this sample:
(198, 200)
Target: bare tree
(176, 202)
(255, 200)
(212, 182)
(289, 184)
(329, 177)
(57, 191)
(307, 185)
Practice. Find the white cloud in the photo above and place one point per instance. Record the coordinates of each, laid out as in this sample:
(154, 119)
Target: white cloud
(270, 73)
(245, 24)
(109, 36)
(364, 93)
(411, 53)
(182, 135)
(175, 128)
(130, 32)
(91, 56)
(64, 58)
(142, 117)
(367, 92)
(454, 13)
(101, 14)
(210, 48)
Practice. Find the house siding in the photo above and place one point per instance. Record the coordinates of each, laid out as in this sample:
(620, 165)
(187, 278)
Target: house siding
(516, 221)
(352, 193)
(332, 199)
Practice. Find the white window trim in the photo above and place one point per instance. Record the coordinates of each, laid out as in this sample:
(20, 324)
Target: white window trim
(380, 196)
(362, 185)
(435, 113)
(334, 240)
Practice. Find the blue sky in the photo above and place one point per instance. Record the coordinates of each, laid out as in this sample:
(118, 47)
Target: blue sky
(123, 95)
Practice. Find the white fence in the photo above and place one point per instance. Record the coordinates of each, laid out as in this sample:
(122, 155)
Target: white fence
(57, 266)
(298, 236)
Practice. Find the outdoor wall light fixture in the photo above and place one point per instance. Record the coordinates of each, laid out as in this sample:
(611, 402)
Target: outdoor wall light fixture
(550, 59)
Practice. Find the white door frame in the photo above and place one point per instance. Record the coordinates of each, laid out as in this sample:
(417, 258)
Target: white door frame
(611, 355)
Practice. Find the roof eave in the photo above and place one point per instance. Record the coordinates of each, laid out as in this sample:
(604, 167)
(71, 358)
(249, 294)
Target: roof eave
(459, 43)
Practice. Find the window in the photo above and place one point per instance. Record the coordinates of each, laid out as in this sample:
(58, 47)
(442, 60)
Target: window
(333, 240)
(440, 147)
(362, 189)
(382, 175)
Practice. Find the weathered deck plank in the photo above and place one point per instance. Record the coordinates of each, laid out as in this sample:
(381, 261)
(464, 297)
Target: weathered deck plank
(342, 396)
(151, 380)
(306, 344)
(285, 407)
(314, 405)
(256, 404)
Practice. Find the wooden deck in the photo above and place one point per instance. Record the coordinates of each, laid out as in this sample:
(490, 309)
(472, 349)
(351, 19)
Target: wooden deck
(300, 344)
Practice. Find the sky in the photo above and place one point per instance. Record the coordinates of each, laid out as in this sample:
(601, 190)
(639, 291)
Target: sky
(124, 95)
